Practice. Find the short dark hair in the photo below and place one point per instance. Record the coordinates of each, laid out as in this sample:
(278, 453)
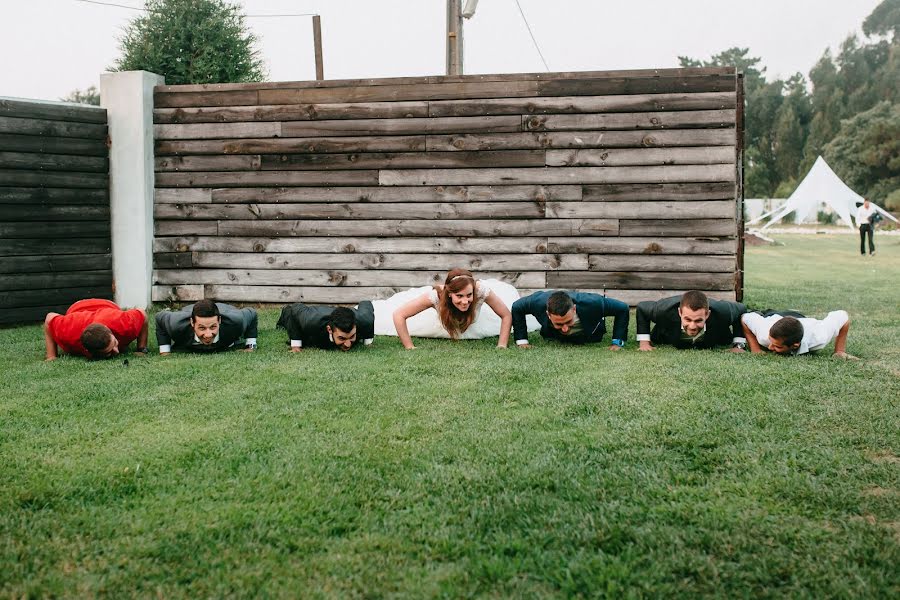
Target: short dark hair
(204, 308)
(559, 304)
(95, 338)
(694, 300)
(787, 330)
(342, 318)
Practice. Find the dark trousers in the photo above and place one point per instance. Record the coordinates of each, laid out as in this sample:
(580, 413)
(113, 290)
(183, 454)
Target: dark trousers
(863, 230)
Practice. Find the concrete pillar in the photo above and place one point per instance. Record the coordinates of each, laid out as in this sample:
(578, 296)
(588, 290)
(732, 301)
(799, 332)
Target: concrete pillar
(128, 99)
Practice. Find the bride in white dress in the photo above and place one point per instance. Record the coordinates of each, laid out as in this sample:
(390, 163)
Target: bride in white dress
(462, 308)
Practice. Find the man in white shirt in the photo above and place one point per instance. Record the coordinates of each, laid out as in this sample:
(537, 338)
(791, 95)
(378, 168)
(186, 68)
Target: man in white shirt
(789, 333)
(864, 221)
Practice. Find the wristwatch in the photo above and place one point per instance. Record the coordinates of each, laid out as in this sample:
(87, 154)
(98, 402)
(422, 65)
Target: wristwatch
(618, 342)
(144, 350)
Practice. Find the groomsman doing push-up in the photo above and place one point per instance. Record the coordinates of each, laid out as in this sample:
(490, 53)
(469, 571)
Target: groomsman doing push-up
(206, 326)
(326, 327)
(570, 317)
(790, 333)
(690, 321)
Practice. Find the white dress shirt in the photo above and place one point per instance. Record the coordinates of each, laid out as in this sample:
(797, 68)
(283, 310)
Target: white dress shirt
(863, 214)
(817, 333)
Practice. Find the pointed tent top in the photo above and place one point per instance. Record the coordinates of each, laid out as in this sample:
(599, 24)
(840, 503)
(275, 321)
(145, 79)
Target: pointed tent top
(820, 186)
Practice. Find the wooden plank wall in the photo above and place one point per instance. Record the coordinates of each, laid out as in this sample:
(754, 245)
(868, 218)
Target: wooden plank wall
(54, 207)
(337, 191)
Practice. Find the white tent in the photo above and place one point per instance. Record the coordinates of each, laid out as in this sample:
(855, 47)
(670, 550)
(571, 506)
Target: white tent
(820, 186)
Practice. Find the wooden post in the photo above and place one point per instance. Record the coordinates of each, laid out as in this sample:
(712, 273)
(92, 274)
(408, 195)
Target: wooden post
(739, 186)
(317, 42)
(454, 38)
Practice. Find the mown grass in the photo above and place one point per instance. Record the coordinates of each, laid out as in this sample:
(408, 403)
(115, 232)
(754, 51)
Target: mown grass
(461, 470)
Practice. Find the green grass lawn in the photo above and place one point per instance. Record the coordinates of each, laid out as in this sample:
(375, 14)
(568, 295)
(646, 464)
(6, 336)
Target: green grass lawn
(462, 470)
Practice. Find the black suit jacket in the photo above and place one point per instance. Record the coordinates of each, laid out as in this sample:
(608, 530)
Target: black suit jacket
(307, 324)
(592, 310)
(723, 325)
(173, 328)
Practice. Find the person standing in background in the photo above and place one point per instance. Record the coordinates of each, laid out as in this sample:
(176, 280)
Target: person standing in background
(864, 215)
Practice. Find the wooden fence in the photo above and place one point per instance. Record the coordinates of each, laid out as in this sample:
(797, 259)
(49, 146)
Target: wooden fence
(54, 207)
(623, 182)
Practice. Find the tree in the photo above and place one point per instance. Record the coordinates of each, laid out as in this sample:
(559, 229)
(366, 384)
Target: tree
(884, 20)
(88, 96)
(191, 41)
(866, 151)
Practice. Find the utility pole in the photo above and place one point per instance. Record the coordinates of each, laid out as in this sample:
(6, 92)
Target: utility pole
(317, 42)
(454, 38)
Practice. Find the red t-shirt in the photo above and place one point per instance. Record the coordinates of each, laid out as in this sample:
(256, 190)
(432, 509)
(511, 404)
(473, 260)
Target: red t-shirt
(66, 329)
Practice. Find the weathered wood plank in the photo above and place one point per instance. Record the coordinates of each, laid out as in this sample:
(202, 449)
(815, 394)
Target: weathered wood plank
(424, 210)
(377, 160)
(54, 111)
(499, 124)
(396, 93)
(630, 192)
(647, 245)
(30, 195)
(627, 84)
(558, 175)
(582, 139)
(632, 297)
(172, 260)
(30, 314)
(51, 281)
(678, 72)
(174, 293)
(406, 160)
(40, 211)
(216, 131)
(65, 229)
(56, 263)
(702, 209)
(162, 228)
(53, 162)
(43, 246)
(666, 263)
(19, 126)
(297, 112)
(279, 294)
(343, 278)
(414, 227)
(23, 178)
(470, 245)
(645, 120)
(66, 295)
(267, 178)
(53, 145)
(313, 145)
(465, 193)
(581, 104)
(182, 195)
(678, 227)
(641, 280)
(701, 155)
(245, 97)
(403, 262)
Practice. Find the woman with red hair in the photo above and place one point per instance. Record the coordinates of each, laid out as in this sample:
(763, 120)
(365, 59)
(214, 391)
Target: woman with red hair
(465, 308)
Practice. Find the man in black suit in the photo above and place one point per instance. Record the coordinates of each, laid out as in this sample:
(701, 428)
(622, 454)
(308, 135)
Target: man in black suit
(206, 326)
(690, 321)
(326, 327)
(572, 317)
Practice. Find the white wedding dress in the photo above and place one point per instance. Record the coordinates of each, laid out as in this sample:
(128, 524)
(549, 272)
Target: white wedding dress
(427, 324)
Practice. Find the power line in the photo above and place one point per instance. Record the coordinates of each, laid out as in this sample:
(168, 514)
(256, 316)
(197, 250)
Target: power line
(149, 10)
(536, 47)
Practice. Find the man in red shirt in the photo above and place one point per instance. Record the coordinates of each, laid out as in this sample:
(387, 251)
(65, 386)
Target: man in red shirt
(95, 328)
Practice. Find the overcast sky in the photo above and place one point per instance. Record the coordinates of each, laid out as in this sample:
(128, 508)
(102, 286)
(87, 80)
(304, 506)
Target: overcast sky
(50, 47)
